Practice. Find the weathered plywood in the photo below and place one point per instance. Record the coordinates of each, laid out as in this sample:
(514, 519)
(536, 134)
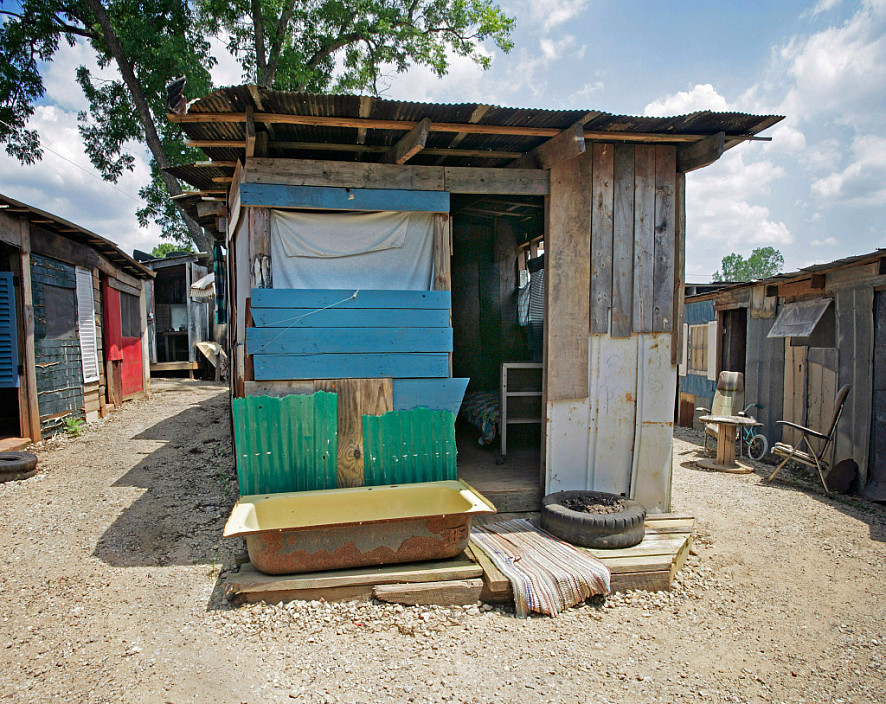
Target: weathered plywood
(679, 270)
(603, 156)
(623, 241)
(665, 216)
(454, 592)
(567, 279)
(259, 224)
(644, 236)
(795, 370)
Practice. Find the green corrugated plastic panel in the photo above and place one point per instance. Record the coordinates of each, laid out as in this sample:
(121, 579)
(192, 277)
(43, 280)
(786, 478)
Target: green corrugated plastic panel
(404, 447)
(285, 444)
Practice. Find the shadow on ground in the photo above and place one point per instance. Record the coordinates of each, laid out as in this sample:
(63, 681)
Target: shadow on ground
(190, 487)
(795, 477)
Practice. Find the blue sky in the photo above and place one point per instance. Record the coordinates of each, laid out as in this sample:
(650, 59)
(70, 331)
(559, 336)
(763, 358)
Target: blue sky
(817, 192)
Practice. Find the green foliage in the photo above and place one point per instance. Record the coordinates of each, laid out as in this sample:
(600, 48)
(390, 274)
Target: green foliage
(317, 46)
(73, 426)
(763, 263)
(164, 249)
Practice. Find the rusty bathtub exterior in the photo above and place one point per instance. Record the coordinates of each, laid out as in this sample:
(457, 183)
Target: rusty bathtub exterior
(339, 528)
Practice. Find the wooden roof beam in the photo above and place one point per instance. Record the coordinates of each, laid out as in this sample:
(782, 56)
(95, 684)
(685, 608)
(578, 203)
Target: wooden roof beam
(702, 153)
(475, 117)
(250, 132)
(409, 144)
(569, 143)
(206, 209)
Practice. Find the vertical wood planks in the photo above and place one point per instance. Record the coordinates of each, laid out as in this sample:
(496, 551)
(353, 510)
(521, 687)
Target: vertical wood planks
(567, 279)
(259, 221)
(356, 398)
(679, 268)
(442, 253)
(644, 235)
(623, 241)
(663, 268)
(601, 235)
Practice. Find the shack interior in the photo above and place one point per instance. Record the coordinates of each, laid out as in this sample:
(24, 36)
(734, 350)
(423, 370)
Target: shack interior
(592, 202)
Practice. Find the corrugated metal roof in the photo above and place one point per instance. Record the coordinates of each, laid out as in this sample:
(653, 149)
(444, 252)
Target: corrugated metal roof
(237, 99)
(403, 447)
(286, 444)
(801, 273)
(78, 234)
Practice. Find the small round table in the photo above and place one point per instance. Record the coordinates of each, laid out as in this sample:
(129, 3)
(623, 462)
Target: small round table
(727, 427)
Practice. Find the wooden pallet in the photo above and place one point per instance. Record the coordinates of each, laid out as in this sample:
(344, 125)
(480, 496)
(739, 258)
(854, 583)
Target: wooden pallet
(651, 566)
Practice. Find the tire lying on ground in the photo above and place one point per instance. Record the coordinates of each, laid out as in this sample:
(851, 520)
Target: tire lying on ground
(593, 530)
(17, 465)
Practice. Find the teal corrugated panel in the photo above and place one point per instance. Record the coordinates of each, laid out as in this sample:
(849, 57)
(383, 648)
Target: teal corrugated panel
(285, 444)
(405, 447)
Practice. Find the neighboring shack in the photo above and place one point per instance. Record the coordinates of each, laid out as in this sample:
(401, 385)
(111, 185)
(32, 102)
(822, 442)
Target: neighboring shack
(72, 323)
(486, 190)
(838, 314)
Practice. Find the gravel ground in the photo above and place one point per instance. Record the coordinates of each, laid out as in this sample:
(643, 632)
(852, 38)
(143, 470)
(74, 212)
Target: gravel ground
(109, 592)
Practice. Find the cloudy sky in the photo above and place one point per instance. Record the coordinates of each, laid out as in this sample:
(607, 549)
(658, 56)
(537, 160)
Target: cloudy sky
(817, 192)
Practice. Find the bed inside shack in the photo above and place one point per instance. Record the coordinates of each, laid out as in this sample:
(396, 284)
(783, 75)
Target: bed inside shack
(497, 320)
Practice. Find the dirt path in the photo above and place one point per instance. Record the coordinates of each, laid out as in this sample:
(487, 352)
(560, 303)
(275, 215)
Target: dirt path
(108, 593)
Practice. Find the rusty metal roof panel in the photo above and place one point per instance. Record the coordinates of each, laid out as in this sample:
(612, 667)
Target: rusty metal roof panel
(286, 444)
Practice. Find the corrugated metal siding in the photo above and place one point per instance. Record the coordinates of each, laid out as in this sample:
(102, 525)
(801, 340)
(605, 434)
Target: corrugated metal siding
(699, 312)
(764, 376)
(58, 361)
(285, 444)
(403, 447)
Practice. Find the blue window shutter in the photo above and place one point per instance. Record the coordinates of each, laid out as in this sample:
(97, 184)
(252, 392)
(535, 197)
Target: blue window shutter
(8, 333)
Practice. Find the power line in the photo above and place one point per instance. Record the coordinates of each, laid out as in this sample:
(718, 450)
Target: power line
(88, 173)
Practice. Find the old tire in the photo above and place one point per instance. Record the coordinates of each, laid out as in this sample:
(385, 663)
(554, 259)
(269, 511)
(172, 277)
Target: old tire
(592, 530)
(17, 465)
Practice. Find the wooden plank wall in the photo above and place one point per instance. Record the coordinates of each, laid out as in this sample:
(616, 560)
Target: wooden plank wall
(635, 248)
(764, 381)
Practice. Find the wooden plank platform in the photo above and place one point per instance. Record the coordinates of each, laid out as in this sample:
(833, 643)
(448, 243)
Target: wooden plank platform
(650, 566)
(173, 366)
(250, 585)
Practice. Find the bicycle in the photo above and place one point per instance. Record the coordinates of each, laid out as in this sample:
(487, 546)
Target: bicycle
(755, 442)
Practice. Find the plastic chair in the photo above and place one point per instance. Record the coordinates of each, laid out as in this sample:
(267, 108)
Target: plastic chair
(728, 401)
(812, 458)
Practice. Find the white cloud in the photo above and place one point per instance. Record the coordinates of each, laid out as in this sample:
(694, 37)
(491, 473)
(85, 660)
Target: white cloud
(824, 6)
(826, 242)
(463, 82)
(702, 96)
(863, 182)
(228, 71)
(61, 188)
(550, 13)
(724, 213)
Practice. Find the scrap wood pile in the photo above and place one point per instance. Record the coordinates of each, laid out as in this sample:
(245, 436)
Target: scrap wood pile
(547, 574)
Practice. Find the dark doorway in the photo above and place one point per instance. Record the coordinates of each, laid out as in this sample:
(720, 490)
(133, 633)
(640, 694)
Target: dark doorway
(735, 334)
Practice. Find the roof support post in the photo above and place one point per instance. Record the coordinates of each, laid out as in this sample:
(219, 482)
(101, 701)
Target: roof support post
(409, 144)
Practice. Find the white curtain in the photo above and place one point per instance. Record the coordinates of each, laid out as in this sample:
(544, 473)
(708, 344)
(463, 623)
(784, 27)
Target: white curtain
(385, 250)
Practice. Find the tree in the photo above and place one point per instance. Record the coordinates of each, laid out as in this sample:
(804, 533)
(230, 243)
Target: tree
(763, 263)
(164, 249)
(147, 41)
(313, 45)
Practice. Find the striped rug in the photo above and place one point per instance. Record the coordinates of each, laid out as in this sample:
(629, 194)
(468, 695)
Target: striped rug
(547, 574)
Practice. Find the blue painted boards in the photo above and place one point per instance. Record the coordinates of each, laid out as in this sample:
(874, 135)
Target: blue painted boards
(286, 444)
(350, 317)
(369, 334)
(8, 333)
(275, 195)
(347, 340)
(281, 367)
(436, 394)
(347, 298)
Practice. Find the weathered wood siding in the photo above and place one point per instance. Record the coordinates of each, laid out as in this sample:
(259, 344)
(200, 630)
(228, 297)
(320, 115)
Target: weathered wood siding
(59, 368)
(763, 379)
(611, 248)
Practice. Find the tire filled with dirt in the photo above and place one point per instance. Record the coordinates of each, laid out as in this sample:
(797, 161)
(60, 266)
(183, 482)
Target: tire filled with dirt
(593, 519)
(17, 465)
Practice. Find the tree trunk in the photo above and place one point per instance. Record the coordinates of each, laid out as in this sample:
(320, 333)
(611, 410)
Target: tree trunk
(201, 239)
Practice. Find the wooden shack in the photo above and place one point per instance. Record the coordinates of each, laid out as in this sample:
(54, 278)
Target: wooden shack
(73, 341)
(588, 205)
(840, 311)
(178, 320)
